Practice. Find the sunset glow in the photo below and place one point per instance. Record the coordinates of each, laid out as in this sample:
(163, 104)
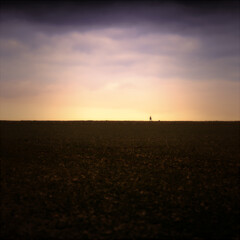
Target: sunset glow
(121, 67)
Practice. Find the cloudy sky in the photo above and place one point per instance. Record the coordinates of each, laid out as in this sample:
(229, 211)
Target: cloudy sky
(120, 60)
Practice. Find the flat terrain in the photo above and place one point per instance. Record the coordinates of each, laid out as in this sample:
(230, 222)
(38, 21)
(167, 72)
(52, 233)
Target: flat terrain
(115, 180)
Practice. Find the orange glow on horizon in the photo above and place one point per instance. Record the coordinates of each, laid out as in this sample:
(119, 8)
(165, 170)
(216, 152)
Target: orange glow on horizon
(174, 100)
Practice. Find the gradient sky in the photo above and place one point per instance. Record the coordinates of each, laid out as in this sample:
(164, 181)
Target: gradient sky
(120, 60)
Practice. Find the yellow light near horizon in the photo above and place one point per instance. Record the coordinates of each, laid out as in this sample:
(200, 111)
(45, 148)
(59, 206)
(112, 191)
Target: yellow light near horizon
(168, 101)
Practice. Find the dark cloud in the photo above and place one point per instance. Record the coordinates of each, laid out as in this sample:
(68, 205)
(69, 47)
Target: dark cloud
(215, 24)
(99, 13)
(204, 19)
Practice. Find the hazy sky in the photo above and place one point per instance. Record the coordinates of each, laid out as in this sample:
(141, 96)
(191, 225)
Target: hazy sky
(120, 60)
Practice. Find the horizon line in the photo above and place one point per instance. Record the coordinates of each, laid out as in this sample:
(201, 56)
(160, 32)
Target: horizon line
(1, 120)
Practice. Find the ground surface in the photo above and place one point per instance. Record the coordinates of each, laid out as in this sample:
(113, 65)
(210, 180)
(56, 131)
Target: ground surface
(115, 180)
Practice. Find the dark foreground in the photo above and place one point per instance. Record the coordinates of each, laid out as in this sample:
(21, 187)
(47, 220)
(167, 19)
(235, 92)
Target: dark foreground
(115, 180)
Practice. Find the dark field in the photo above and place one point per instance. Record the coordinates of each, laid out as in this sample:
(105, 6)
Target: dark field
(115, 180)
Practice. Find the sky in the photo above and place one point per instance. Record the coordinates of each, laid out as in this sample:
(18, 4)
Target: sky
(120, 60)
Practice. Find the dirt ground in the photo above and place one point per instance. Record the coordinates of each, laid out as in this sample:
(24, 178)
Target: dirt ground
(119, 180)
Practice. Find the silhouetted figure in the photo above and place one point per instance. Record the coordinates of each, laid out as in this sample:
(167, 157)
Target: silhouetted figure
(150, 119)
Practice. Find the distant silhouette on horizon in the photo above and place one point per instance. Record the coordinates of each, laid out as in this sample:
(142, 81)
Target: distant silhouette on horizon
(150, 119)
